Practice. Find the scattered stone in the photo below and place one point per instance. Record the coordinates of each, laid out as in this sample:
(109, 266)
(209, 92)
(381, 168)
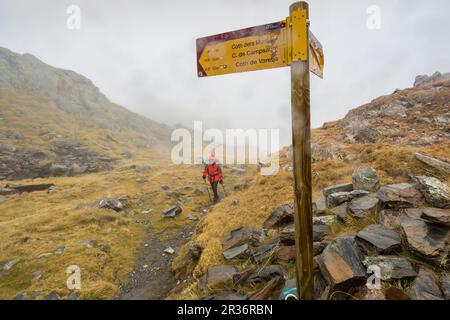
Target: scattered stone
(389, 218)
(286, 253)
(393, 293)
(340, 212)
(195, 250)
(287, 235)
(90, 244)
(169, 250)
(289, 291)
(424, 287)
(335, 199)
(266, 273)
(61, 250)
(318, 247)
(428, 241)
(36, 294)
(111, 204)
(191, 217)
(37, 275)
(436, 164)
(21, 296)
(435, 191)
(392, 267)
(340, 264)
(402, 195)
(7, 191)
(226, 296)
(319, 206)
(172, 212)
(413, 213)
(270, 289)
(437, 216)
(72, 296)
(320, 231)
(8, 265)
(346, 187)
(264, 252)
(242, 276)
(364, 206)
(378, 239)
(52, 296)
(219, 276)
(236, 252)
(282, 215)
(242, 235)
(328, 220)
(44, 255)
(30, 188)
(366, 179)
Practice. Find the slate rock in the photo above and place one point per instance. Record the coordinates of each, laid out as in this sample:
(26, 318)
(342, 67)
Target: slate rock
(236, 252)
(319, 206)
(425, 287)
(340, 212)
(320, 231)
(437, 216)
(378, 239)
(286, 253)
(389, 218)
(72, 296)
(269, 290)
(287, 235)
(335, 199)
(8, 265)
(436, 192)
(328, 220)
(445, 285)
(394, 293)
(341, 264)
(427, 241)
(281, 216)
(264, 251)
(318, 247)
(217, 276)
(392, 267)
(346, 187)
(172, 212)
(402, 195)
(111, 204)
(52, 296)
(266, 273)
(366, 179)
(364, 206)
(242, 235)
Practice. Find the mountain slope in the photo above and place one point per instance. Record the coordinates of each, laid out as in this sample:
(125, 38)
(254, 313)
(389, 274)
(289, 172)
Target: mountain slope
(46, 113)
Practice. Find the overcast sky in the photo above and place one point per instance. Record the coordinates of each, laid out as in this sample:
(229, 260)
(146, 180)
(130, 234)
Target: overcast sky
(141, 54)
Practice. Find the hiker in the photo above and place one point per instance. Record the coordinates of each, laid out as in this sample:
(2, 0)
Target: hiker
(214, 173)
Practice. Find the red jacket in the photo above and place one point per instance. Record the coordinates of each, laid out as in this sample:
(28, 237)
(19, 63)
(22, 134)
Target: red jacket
(213, 172)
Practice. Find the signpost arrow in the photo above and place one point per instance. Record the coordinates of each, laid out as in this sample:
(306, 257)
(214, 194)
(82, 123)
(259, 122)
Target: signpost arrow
(274, 45)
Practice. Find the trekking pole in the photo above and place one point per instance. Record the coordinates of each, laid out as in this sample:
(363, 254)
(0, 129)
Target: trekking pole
(207, 189)
(224, 190)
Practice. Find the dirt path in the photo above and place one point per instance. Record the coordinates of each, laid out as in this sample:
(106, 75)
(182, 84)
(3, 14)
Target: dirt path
(151, 278)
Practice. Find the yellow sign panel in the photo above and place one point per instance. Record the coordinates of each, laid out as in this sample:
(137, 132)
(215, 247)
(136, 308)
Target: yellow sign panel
(262, 47)
(268, 46)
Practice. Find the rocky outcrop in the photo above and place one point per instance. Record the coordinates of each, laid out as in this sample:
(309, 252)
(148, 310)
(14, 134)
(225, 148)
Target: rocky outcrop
(402, 195)
(435, 191)
(366, 179)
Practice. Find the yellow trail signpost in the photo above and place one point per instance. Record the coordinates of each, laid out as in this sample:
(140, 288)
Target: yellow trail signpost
(274, 45)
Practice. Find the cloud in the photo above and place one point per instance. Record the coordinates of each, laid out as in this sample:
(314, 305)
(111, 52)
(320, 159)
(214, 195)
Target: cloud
(142, 54)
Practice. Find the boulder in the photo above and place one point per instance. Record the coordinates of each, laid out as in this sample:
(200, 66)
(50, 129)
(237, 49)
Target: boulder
(425, 287)
(366, 179)
(392, 267)
(236, 252)
(286, 253)
(428, 241)
(266, 273)
(282, 215)
(445, 285)
(172, 212)
(435, 191)
(265, 251)
(335, 199)
(402, 195)
(341, 264)
(242, 235)
(437, 216)
(340, 212)
(219, 276)
(378, 239)
(364, 206)
(319, 206)
(346, 187)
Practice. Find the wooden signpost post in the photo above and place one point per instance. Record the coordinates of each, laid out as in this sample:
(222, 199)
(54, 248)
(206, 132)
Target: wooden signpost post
(275, 45)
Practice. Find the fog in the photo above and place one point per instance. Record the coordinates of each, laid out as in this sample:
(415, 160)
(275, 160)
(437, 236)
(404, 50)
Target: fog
(141, 54)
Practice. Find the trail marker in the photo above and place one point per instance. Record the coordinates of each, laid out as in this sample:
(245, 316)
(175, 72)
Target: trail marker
(274, 45)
